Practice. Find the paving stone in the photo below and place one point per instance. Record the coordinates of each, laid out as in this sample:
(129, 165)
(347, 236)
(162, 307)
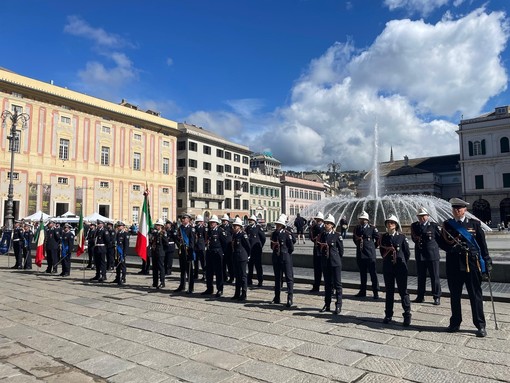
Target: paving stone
(488, 370)
(443, 337)
(313, 336)
(74, 376)
(9, 349)
(262, 327)
(414, 344)
(392, 367)
(275, 341)
(433, 360)
(264, 353)
(213, 328)
(329, 353)
(220, 359)
(494, 357)
(105, 366)
(138, 374)
(423, 374)
(374, 348)
(318, 326)
(318, 367)
(198, 372)
(37, 364)
(24, 378)
(267, 372)
(124, 348)
(487, 344)
(177, 346)
(379, 378)
(238, 378)
(8, 370)
(361, 334)
(157, 360)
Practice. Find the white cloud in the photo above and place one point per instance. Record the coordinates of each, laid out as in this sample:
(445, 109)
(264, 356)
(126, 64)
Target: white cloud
(79, 27)
(169, 61)
(225, 124)
(423, 7)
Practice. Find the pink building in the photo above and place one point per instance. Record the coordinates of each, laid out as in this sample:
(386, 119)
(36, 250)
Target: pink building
(298, 193)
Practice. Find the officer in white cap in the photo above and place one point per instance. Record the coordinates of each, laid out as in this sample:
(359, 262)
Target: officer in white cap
(217, 241)
(257, 240)
(366, 237)
(315, 232)
(67, 247)
(158, 244)
(228, 265)
(282, 245)
(425, 235)
(201, 237)
(240, 255)
(186, 239)
(467, 259)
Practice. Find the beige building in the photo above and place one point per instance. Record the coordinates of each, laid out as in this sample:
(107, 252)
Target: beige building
(265, 195)
(83, 154)
(213, 174)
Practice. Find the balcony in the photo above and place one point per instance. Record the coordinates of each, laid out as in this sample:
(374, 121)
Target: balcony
(206, 196)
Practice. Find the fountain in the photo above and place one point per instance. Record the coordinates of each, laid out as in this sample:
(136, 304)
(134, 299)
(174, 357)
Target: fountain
(380, 207)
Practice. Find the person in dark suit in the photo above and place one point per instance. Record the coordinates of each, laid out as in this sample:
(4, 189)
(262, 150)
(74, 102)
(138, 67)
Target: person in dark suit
(28, 236)
(425, 235)
(216, 243)
(17, 245)
(158, 244)
(366, 238)
(201, 238)
(332, 250)
(51, 245)
(101, 240)
(282, 245)
(186, 240)
(257, 240)
(228, 266)
(300, 223)
(171, 234)
(467, 259)
(240, 254)
(67, 248)
(395, 251)
(121, 249)
(91, 240)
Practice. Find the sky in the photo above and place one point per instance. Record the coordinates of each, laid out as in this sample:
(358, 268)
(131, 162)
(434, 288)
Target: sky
(306, 80)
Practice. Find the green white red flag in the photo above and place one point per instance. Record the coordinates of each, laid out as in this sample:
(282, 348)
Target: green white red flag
(81, 238)
(39, 239)
(142, 237)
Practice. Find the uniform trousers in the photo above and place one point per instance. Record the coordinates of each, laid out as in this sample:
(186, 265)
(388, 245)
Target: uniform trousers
(110, 258)
(51, 259)
(283, 264)
(120, 272)
(228, 264)
(433, 268)
(241, 277)
(317, 268)
(90, 252)
(186, 268)
(367, 265)
(200, 259)
(158, 269)
(100, 261)
(169, 260)
(27, 255)
(18, 254)
(396, 273)
(66, 263)
(255, 260)
(332, 282)
(214, 262)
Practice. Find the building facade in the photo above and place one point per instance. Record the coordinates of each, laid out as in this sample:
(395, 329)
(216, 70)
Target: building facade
(298, 193)
(213, 174)
(485, 163)
(265, 197)
(84, 155)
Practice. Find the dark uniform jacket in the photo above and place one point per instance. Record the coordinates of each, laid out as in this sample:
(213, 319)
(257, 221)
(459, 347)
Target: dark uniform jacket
(67, 243)
(200, 237)
(52, 238)
(394, 249)
(426, 237)
(316, 231)
(122, 243)
(101, 240)
(171, 234)
(365, 238)
(217, 240)
(256, 235)
(331, 247)
(240, 246)
(91, 237)
(186, 250)
(159, 243)
(28, 235)
(281, 244)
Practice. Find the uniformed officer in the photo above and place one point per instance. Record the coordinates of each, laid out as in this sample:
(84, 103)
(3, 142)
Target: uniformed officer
(257, 240)
(122, 245)
(158, 244)
(228, 266)
(67, 247)
(240, 255)
(171, 235)
(425, 235)
(366, 237)
(395, 251)
(17, 245)
(52, 245)
(28, 236)
(101, 239)
(91, 240)
(200, 238)
(467, 258)
(216, 243)
(110, 247)
(331, 247)
(282, 245)
(186, 236)
(315, 232)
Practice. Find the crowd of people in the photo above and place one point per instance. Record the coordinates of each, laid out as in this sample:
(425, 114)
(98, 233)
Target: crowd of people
(227, 251)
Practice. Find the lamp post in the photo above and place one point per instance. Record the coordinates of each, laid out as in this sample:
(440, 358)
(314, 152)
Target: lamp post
(13, 136)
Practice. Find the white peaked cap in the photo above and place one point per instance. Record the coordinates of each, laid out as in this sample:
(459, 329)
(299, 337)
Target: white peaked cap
(282, 220)
(422, 211)
(319, 215)
(159, 222)
(329, 218)
(364, 215)
(237, 222)
(199, 218)
(225, 217)
(253, 218)
(214, 218)
(393, 218)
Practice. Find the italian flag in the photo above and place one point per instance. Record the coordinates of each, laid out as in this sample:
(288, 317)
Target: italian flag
(39, 239)
(142, 237)
(81, 238)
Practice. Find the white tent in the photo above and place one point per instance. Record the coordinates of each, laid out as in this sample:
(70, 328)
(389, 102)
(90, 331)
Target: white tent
(95, 216)
(37, 216)
(68, 214)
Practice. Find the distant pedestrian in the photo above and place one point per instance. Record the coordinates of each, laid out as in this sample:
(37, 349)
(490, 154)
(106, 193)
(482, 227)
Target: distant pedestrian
(344, 225)
(300, 223)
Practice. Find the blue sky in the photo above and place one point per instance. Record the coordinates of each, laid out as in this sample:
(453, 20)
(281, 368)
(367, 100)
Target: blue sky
(306, 80)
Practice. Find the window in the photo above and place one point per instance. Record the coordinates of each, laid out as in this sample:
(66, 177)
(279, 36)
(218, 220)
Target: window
(228, 169)
(207, 166)
(179, 202)
(181, 162)
(181, 184)
(207, 186)
(65, 120)
(137, 137)
(193, 146)
(207, 149)
(166, 166)
(63, 150)
(63, 180)
(505, 145)
(106, 129)
(228, 203)
(165, 190)
(192, 163)
(136, 188)
(506, 180)
(136, 214)
(193, 184)
(105, 155)
(237, 185)
(237, 157)
(245, 172)
(479, 182)
(219, 168)
(164, 214)
(15, 175)
(228, 155)
(219, 187)
(137, 159)
(477, 148)
(228, 184)
(246, 204)
(245, 187)
(166, 144)
(219, 153)
(16, 108)
(237, 170)
(104, 184)
(181, 145)
(237, 204)
(14, 144)
(246, 160)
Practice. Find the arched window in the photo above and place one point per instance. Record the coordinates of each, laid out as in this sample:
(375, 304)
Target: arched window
(482, 210)
(505, 145)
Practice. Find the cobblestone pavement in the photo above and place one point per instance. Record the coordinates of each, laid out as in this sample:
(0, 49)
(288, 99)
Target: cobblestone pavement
(56, 329)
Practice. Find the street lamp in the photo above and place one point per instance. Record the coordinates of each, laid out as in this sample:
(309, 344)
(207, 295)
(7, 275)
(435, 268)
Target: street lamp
(13, 136)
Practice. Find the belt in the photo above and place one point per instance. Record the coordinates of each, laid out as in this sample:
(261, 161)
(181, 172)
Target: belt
(15, 240)
(100, 244)
(171, 243)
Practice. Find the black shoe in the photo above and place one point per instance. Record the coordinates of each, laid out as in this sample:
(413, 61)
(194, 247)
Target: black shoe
(219, 294)
(314, 290)
(28, 268)
(250, 283)
(231, 280)
(481, 333)
(116, 280)
(62, 274)
(242, 298)
(235, 297)
(376, 295)
(361, 294)
(94, 279)
(452, 328)
(259, 284)
(141, 272)
(14, 267)
(122, 282)
(437, 301)
(407, 320)
(189, 292)
(179, 289)
(289, 301)
(207, 292)
(101, 280)
(161, 285)
(276, 300)
(419, 300)
(325, 308)
(386, 320)
(54, 270)
(338, 308)
(48, 271)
